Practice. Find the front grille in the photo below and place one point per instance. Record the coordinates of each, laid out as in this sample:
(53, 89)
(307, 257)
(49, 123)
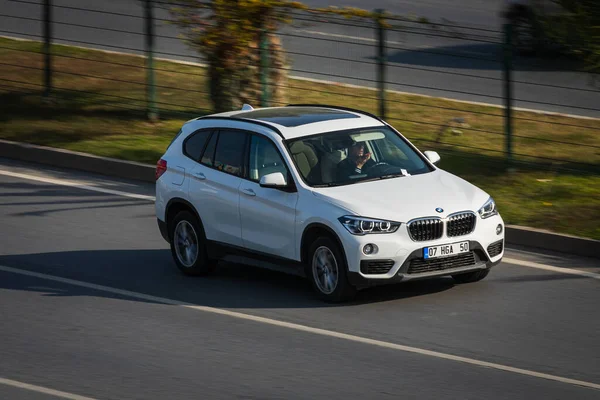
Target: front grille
(460, 224)
(426, 229)
(418, 266)
(495, 248)
(376, 266)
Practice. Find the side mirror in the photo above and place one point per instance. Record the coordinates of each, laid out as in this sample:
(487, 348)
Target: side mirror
(274, 180)
(432, 156)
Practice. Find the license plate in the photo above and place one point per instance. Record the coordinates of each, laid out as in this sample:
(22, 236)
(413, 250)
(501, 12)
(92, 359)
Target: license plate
(445, 250)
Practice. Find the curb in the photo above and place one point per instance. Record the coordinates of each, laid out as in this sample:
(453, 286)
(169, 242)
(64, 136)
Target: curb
(557, 242)
(515, 235)
(77, 160)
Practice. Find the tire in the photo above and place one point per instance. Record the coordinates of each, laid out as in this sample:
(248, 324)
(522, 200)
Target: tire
(337, 288)
(185, 230)
(471, 277)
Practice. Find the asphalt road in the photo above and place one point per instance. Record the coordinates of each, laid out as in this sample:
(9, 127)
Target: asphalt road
(466, 68)
(103, 343)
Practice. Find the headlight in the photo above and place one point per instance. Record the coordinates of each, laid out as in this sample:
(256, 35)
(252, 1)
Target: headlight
(488, 209)
(363, 226)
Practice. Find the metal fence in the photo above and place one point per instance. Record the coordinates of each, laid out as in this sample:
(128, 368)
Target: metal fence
(459, 87)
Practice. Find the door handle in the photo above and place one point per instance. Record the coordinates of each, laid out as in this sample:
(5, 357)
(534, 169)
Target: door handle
(248, 192)
(199, 175)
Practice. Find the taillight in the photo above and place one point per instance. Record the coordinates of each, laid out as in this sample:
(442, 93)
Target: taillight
(161, 168)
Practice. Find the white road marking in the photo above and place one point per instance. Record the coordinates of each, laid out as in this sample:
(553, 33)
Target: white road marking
(364, 39)
(41, 389)
(76, 184)
(531, 264)
(304, 328)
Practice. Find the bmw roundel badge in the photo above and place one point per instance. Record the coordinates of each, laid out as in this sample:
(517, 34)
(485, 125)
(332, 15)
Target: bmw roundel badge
(440, 210)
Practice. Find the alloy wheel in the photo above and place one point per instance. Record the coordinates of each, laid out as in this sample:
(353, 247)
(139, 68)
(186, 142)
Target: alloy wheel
(325, 270)
(186, 243)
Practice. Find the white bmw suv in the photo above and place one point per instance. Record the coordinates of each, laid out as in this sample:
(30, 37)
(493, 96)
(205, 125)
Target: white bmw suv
(333, 194)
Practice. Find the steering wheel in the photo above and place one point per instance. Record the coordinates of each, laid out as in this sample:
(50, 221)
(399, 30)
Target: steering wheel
(379, 163)
(381, 168)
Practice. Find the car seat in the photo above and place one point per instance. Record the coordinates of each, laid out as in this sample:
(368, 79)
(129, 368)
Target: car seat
(305, 158)
(329, 163)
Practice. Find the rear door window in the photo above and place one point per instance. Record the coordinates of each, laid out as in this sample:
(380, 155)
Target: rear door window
(230, 152)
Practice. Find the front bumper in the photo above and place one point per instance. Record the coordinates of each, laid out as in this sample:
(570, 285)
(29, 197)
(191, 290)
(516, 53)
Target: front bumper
(402, 274)
(406, 256)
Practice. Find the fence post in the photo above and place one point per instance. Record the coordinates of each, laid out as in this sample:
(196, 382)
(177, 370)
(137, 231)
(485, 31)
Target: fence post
(508, 50)
(381, 59)
(47, 49)
(149, 36)
(264, 67)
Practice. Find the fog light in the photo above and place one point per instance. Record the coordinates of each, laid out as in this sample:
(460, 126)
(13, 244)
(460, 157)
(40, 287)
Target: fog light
(369, 249)
(499, 229)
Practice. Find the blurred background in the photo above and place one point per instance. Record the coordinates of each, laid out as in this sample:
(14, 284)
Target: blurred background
(507, 91)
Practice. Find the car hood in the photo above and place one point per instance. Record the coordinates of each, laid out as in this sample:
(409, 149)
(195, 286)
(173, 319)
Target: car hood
(404, 198)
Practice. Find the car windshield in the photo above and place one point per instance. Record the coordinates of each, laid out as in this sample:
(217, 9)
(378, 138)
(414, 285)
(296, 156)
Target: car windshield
(347, 157)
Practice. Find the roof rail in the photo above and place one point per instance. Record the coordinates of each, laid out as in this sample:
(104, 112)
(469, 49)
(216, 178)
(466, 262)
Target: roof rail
(253, 121)
(339, 108)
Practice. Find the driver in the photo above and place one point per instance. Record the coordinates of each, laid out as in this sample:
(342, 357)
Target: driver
(357, 161)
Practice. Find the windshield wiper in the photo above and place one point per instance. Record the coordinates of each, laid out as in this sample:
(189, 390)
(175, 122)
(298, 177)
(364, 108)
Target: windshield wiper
(392, 176)
(330, 184)
(378, 178)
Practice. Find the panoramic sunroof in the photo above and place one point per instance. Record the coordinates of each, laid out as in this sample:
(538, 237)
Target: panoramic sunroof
(296, 116)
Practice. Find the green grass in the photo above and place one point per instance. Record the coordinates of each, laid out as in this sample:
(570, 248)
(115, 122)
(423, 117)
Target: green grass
(103, 113)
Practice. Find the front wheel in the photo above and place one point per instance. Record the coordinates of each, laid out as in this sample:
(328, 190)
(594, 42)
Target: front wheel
(471, 277)
(188, 245)
(327, 271)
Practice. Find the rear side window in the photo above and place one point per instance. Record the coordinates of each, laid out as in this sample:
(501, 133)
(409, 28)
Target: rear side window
(229, 156)
(195, 144)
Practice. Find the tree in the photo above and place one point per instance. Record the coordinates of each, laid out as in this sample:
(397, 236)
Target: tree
(577, 30)
(228, 33)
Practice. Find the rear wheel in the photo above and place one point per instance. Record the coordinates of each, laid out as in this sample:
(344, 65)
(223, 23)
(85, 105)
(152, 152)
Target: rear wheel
(327, 271)
(188, 245)
(471, 277)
